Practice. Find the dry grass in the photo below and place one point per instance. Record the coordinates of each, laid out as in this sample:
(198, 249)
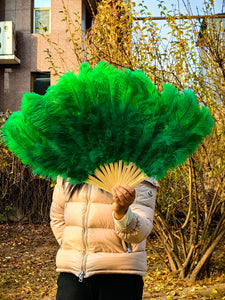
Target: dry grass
(27, 260)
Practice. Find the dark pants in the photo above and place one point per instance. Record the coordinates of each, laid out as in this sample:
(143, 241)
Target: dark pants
(100, 287)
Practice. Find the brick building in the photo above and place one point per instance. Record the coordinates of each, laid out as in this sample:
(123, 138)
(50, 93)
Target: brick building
(23, 64)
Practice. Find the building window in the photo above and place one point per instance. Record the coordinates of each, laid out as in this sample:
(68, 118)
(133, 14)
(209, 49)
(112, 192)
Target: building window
(40, 82)
(42, 16)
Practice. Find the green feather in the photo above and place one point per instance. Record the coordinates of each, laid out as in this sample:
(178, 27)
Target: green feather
(103, 115)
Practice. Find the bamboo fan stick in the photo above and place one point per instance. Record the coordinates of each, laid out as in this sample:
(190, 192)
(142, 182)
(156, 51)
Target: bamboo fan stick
(109, 167)
(129, 172)
(113, 173)
(138, 180)
(113, 170)
(124, 169)
(98, 179)
(118, 173)
(106, 179)
(133, 174)
(102, 179)
(97, 183)
(99, 175)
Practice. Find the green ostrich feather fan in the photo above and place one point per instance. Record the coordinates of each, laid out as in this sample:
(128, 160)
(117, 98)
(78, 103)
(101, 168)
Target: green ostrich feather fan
(106, 126)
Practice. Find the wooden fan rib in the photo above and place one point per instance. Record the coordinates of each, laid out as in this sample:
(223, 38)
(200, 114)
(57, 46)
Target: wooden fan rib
(94, 181)
(138, 180)
(103, 177)
(111, 176)
(99, 175)
(136, 173)
(114, 171)
(120, 167)
(123, 173)
(118, 173)
(103, 170)
(128, 172)
(106, 173)
(132, 174)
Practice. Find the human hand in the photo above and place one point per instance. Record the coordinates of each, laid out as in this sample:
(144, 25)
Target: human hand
(123, 197)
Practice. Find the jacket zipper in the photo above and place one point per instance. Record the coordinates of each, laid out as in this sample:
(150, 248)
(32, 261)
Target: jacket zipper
(127, 247)
(85, 236)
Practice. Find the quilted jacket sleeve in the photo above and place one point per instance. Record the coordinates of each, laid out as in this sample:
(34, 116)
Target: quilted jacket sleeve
(142, 214)
(57, 211)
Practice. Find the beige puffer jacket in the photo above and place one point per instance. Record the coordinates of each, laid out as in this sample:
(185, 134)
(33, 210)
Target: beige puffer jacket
(90, 241)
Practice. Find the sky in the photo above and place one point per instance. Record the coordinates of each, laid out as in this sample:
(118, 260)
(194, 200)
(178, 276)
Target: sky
(196, 8)
(153, 6)
(42, 3)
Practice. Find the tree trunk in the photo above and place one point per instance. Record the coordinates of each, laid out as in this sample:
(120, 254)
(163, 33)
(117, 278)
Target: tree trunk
(192, 277)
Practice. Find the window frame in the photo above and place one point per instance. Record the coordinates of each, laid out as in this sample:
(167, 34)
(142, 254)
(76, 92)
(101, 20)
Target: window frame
(41, 8)
(34, 75)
